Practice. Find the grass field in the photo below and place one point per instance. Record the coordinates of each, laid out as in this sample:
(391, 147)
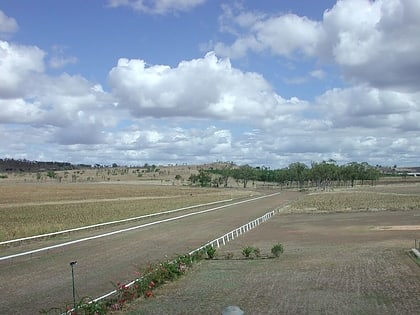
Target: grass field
(335, 262)
(32, 209)
(342, 201)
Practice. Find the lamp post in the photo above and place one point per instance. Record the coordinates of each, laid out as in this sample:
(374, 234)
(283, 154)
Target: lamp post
(72, 278)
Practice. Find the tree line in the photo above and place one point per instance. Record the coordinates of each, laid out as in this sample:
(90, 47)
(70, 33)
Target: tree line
(23, 165)
(322, 175)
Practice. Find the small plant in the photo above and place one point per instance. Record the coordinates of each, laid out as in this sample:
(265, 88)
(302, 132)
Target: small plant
(211, 251)
(277, 249)
(247, 251)
(198, 255)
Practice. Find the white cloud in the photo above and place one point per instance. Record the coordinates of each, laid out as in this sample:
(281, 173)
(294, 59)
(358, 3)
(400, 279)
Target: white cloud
(8, 24)
(281, 34)
(157, 6)
(374, 42)
(203, 88)
(18, 64)
(18, 111)
(71, 108)
(371, 108)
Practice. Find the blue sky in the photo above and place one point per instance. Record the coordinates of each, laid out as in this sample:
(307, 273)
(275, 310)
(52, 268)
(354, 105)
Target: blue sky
(194, 81)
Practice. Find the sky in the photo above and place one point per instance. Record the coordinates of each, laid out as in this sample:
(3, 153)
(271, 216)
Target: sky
(264, 83)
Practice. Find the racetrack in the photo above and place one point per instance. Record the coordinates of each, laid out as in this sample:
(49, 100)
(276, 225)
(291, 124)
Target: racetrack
(43, 281)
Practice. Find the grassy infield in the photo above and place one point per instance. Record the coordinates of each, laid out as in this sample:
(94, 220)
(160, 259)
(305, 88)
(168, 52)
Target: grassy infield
(33, 209)
(28, 209)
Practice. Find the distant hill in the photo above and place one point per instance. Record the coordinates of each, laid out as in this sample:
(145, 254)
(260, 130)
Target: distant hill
(22, 165)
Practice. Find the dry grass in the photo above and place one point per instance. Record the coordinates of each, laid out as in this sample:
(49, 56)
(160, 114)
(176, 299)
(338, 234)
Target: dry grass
(353, 201)
(32, 209)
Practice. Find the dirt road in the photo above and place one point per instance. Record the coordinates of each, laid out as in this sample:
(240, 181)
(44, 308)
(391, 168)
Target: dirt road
(43, 281)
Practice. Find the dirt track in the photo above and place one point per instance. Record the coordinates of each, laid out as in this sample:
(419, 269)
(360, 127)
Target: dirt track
(43, 281)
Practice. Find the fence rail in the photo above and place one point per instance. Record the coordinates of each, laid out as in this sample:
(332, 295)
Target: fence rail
(236, 232)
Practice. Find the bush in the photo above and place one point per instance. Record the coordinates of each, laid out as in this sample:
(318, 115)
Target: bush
(247, 251)
(277, 249)
(211, 251)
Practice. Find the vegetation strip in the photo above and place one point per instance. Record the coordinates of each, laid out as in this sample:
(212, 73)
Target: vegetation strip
(108, 223)
(131, 229)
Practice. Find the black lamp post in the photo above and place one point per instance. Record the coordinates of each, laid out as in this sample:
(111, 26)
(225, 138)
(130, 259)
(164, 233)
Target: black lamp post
(72, 278)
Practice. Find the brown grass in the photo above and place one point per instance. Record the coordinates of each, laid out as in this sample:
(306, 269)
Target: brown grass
(353, 201)
(32, 209)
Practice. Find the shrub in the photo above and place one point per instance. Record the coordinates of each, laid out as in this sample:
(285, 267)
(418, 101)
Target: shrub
(277, 249)
(198, 255)
(211, 251)
(247, 251)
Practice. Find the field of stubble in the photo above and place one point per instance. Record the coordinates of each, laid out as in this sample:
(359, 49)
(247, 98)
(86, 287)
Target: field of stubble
(28, 209)
(335, 261)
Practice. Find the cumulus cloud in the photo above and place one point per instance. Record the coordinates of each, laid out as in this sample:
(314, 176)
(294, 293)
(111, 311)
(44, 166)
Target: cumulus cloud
(18, 64)
(284, 34)
(157, 6)
(8, 25)
(71, 108)
(374, 42)
(208, 87)
(371, 108)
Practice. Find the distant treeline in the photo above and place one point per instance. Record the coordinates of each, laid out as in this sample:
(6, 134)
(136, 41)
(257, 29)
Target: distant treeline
(322, 175)
(23, 165)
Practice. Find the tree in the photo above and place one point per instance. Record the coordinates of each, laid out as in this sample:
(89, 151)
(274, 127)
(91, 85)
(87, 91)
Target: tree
(324, 173)
(244, 173)
(298, 172)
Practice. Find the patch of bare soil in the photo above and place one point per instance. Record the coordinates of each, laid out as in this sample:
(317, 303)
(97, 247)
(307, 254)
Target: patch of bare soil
(332, 264)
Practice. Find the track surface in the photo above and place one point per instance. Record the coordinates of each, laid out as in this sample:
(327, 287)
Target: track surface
(43, 281)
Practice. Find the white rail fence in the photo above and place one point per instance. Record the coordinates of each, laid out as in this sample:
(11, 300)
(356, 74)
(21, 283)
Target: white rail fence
(230, 236)
(218, 242)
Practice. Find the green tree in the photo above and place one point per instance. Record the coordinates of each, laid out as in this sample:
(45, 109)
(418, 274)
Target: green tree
(244, 173)
(204, 178)
(298, 173)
